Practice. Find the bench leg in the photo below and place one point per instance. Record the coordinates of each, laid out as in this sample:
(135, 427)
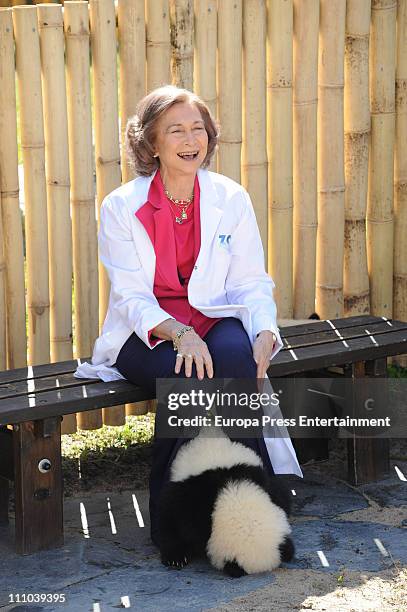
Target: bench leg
(368, 458)
(4, 494)
(38, 492)
(6, 472)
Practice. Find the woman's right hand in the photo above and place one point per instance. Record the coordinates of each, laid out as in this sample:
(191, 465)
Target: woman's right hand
(192, 348)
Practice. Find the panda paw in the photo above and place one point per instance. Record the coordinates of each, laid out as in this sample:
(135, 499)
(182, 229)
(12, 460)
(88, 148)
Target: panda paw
(174, 560)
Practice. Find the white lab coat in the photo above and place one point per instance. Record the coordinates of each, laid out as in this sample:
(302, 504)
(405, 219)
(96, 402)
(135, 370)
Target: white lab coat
(228, 279)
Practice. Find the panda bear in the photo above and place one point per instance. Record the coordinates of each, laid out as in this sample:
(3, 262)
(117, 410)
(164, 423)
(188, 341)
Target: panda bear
(219, 501)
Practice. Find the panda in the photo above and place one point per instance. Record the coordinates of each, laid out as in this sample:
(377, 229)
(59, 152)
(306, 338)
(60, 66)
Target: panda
(219, 501)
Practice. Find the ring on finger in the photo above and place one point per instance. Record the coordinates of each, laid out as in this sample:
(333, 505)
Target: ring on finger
(180, 355)
(189, 356)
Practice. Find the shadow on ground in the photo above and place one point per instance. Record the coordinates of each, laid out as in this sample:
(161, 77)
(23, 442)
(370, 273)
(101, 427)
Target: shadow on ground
(108, 562)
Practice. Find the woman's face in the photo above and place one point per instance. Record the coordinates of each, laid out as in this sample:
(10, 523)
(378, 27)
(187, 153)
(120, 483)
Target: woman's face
(181, 139)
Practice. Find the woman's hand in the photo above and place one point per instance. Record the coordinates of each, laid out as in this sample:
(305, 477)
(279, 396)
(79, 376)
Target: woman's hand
(262, 349)
(192, 348)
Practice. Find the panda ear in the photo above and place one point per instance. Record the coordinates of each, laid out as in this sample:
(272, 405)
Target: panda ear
(287, 550)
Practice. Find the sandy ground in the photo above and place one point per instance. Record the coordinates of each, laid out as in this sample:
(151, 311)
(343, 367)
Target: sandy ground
(312, 590)
(344, 591)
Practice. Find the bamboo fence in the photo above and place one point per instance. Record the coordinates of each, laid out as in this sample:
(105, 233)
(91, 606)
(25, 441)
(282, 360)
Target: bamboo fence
(229, 87)
(28, 71)
(254, 163)
(182, 42)
(107, 150)
(132, 63)
(400, 174)
(85, 267)
(205, 45)
(50, 26)
(379, 217)
(3, 336)
(280, 150)
(303, 219)
(357, 131)
(13, 316)
(311, 100)
(158, 44)
(331, 179)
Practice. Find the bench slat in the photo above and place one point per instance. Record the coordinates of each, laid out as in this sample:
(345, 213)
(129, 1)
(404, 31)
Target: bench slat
(40, 371)
(340, 324)
(330, 335)
(72, 399)
(39, 385)
(332, 354)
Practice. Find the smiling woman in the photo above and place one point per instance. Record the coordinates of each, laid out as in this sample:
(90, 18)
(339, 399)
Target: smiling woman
(190, 296)
(161, 114)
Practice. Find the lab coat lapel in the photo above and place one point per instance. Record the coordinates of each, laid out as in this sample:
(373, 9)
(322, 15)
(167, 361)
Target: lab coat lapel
(157, 222)
(210, 215)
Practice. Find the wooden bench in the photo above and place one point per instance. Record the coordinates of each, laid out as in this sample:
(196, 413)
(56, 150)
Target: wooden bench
(34, 399)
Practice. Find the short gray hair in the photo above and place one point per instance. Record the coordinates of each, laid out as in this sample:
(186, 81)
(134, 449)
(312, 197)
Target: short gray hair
(140, 129)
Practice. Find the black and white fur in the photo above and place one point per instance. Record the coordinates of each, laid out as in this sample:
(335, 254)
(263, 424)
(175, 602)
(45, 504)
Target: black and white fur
(220, 502)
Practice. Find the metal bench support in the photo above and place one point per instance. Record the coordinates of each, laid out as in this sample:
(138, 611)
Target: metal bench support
(38, 488)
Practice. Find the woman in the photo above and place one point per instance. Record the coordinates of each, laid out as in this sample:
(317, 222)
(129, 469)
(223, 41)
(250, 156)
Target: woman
(185, 260)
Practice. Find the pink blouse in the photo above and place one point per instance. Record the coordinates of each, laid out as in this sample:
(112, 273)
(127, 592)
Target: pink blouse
(176, 247)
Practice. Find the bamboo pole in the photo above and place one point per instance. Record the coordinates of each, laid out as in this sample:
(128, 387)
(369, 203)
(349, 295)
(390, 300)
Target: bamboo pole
(3, 312)
(11, 214)
(229, 85)
(32, 144)
(84, 230)
(279, 150)
(379, 227)
(132, 57)
(357, 130)
(57, 172)
(158, 44)
(205, 44)
(104, 68)
(107, 150)
(254, 148)
(205, 41)
(305, 210)
(400, 176)
(182, 42)
(331, 179)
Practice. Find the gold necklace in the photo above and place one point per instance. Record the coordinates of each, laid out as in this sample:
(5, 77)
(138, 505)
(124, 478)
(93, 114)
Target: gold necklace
(180, 203)
(184, 214)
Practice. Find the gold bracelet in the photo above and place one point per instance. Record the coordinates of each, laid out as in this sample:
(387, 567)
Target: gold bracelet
(179, 335)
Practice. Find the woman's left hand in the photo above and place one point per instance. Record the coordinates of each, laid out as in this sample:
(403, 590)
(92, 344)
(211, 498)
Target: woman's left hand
(262, 349)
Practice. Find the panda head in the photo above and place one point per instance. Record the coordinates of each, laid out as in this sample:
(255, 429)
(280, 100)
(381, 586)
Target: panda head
(250, 533)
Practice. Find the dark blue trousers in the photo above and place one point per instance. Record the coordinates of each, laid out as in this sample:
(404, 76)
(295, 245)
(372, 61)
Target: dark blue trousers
(232, 357)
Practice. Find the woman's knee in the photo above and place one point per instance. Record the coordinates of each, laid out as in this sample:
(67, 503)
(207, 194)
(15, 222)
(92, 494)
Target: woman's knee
(141, 365)
(234, 358)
